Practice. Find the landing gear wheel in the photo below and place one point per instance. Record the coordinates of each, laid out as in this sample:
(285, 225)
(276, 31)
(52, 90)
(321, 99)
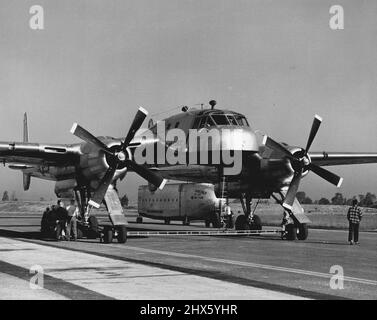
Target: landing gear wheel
(122, 234)
(256, 224)
(291, 232)
(216, 223)
(107, 235)
(241, 223)
(80, 234)
(93, 227)
(230, 223)
(139, 220)
(302, 231)
(207, 223)
(167, 220)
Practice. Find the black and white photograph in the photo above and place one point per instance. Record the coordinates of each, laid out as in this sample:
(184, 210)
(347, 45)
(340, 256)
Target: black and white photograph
(188, 156)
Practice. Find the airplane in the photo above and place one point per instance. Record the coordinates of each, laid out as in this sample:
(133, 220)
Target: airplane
(89, 170)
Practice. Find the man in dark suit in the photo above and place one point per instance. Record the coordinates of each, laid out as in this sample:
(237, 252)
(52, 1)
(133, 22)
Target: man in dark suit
(62, 219)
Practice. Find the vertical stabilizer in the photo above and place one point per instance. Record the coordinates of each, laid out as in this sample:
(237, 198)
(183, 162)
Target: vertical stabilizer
(26, 132)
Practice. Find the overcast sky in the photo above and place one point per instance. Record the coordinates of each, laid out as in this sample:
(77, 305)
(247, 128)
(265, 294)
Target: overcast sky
(278, 62)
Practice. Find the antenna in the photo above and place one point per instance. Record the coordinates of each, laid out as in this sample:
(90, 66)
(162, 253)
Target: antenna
(212, 103)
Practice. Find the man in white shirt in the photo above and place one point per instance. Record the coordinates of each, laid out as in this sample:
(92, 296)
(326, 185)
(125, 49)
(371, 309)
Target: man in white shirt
(72, 222)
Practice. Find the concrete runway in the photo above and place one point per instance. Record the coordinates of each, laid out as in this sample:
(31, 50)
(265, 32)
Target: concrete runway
(184, 267)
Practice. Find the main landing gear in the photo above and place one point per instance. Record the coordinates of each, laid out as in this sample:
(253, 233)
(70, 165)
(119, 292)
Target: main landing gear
(249, 220)
(89, 227)
(292, 228)
(109, 233)
(294, 231)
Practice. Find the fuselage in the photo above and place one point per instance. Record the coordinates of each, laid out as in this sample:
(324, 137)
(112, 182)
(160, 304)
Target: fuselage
(196, 145)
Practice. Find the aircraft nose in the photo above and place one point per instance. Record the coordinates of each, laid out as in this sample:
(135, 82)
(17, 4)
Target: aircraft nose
(243, 139)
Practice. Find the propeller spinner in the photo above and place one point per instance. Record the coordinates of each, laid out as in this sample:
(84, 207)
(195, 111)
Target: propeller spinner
(300, 162)
(118, 158)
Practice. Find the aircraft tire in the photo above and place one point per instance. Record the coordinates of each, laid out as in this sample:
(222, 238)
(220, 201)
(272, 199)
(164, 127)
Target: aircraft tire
(216, 223)
(207, 223)
(230, 223)
(107, 235)
(256, 224)
(291, 232)
(93, 228)
(80, 234)
(167, 220)
(122, 234)
(139, 219)
(241, 223)
(303, 231)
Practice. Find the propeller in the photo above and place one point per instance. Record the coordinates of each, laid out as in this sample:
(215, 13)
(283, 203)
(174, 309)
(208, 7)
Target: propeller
(300, 162)
(118, 158)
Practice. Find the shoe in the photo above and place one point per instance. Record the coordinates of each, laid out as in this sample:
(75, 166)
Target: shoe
(351, 243)
(357, 242)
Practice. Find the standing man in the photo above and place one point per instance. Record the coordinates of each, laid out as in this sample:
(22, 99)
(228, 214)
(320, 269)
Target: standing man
(354, 216)
(72, 222)
(62, 217)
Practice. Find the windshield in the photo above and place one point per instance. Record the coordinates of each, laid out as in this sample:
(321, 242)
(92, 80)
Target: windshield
(242, 121)
(220, 119)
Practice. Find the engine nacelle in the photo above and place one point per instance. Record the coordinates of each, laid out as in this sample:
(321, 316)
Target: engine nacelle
(94, 162)
(278, 170)
(64, 188)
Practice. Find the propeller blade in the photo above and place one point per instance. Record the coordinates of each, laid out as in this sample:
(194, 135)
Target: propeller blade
(313, 132)
(85, 135)
(267, 141)
(292, 190)
(147, 174)
(100, 192)
(327, 175)
(136, 124)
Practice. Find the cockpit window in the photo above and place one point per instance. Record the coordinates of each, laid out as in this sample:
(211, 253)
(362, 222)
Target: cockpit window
(205, 122)
(209, 122)
(232, 120)
(242, 121)
(220, 119)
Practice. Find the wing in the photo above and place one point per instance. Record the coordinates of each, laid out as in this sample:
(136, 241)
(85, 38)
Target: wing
(30, 154)
(342, 158)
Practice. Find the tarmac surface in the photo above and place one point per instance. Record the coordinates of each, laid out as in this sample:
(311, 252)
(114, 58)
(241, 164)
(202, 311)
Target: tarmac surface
(184, 267)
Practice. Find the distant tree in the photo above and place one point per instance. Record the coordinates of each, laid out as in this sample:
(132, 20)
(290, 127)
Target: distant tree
(5, 196)
(307, 200)
(300, 195)
(323, 201)
(349, 201)
(124, 201)
(368, 200)
(338, 199)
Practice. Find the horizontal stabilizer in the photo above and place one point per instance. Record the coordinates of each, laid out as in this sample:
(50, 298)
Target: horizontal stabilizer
(20, 167)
